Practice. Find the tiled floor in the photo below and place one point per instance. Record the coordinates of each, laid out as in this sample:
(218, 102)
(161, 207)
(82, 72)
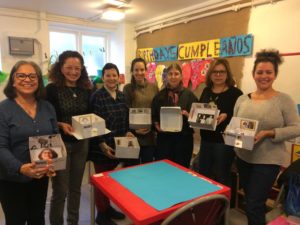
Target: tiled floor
(235, 217)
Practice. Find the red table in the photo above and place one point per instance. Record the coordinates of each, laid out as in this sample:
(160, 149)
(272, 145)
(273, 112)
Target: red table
(134, 207)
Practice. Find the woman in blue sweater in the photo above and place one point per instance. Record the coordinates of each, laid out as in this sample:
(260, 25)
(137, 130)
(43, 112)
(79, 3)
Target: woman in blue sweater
(23, 185)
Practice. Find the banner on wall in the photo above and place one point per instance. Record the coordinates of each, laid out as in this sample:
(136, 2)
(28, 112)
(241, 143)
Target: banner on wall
(158, 54)
(199, 50)
(236, 46)
(146, 53)
(240, 45)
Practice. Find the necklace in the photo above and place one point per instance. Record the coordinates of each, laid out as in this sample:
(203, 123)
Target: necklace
(214, 97)
(213, 100)
(73, 92)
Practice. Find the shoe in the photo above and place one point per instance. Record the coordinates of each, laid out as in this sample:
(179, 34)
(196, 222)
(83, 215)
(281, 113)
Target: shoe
(104, 220)
(114, 214)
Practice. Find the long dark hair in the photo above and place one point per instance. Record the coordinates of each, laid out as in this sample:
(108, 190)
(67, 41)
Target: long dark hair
(133, 81)
(10, 91)
(56, 76)
(229, 80)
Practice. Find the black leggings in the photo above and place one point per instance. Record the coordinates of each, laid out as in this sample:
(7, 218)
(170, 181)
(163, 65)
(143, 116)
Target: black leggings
(24, 203)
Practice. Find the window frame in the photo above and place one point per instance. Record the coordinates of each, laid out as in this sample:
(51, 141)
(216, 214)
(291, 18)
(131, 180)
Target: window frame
(79, 32)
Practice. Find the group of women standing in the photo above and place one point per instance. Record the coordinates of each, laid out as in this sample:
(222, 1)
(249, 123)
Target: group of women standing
(24, 113)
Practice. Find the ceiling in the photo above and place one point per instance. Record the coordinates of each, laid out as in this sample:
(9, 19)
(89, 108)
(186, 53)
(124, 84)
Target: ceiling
(139, 10)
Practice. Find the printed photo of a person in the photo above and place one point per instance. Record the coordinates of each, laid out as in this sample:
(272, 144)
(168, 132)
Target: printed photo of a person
(47, 153)
(249, 125)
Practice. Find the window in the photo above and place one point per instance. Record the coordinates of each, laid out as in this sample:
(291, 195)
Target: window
(94, 53)
(92, 47)
(59, 42)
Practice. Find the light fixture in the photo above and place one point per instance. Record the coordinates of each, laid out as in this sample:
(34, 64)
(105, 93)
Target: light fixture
(119, 3)
(113, 14)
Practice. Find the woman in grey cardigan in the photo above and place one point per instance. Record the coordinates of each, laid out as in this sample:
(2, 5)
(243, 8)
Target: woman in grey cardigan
(278, 122)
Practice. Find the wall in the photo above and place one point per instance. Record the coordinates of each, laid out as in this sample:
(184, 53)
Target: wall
(222, 25)
(13, 26)
(22, 27)
(273, 26)
(276, 26)
(35, 25)
(123, 48)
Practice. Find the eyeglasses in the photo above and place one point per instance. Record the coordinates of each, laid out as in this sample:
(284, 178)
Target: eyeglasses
(23, 76)
(219, 72)
(70, 68)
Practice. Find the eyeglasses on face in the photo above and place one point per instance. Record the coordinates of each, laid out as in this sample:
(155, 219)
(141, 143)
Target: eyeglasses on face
(23, 76)
(219, 72)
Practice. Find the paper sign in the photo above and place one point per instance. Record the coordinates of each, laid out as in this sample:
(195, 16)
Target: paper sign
(236, 46)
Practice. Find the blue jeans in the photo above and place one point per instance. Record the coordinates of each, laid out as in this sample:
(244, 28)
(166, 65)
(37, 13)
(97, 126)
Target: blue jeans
(256, 181)
(215, 161)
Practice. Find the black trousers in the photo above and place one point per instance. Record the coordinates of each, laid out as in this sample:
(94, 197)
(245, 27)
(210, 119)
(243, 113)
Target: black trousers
(175, 147)
(24, 203)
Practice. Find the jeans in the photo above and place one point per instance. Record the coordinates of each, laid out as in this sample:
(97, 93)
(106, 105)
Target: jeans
(24, 203)
(256, 181)
(215, 160)
(67, 184)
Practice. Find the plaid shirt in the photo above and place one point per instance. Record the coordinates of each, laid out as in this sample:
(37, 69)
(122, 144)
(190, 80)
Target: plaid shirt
(115, 114)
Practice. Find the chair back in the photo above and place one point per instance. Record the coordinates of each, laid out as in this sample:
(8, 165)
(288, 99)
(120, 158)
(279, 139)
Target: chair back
(209, 210)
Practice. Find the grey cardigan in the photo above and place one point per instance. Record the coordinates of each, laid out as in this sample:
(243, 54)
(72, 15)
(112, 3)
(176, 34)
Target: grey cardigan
(278, 113)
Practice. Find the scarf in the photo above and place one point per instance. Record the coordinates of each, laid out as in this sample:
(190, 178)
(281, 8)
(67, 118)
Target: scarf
(173, 93)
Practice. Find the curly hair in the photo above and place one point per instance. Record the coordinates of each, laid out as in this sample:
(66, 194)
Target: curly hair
(268, 55)
(229, 79)
(57, 77)
(10, 91)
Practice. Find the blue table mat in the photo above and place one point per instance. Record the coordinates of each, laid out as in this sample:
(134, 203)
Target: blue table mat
(162, 185)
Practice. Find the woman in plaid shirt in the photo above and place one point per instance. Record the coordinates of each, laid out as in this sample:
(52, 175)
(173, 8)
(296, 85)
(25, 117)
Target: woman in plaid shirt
(108, 103)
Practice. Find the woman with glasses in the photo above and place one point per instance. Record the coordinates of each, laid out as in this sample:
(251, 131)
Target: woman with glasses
(23, 185)
(109, 103)
(69, 93)
(176, 146)
(215, 158)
